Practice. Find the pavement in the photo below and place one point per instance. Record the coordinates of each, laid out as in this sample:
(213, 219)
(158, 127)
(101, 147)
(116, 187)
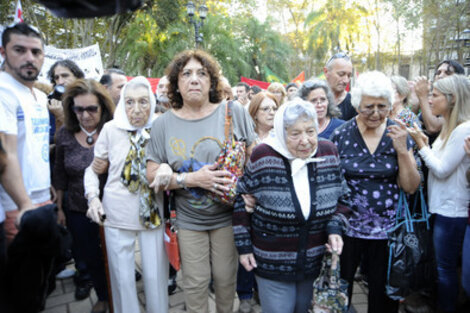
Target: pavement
(62, 300)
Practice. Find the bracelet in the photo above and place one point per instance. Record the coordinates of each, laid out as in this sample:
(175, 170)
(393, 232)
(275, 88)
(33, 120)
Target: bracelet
(180, 180)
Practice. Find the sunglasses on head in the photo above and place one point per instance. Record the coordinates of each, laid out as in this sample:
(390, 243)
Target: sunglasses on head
(89, 109)
(340, 55)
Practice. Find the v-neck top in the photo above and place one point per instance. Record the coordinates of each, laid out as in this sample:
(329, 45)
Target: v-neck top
(372, 179)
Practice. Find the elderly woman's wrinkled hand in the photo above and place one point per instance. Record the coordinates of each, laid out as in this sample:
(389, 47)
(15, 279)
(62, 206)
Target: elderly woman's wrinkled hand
(100, 166)
(418, 136)
(95, 211)
(250, 202)
(162, 178)
(398, 134)
(212, 179)
(421, 87)
(335, 244)
(248, 261)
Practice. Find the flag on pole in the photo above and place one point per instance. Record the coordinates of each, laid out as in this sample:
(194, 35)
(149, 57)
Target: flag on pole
(270, 76)
(299, 79)
(18, 12)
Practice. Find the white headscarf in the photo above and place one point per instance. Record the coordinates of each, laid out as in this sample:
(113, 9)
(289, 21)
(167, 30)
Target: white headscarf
(120, 116)
(277, 139)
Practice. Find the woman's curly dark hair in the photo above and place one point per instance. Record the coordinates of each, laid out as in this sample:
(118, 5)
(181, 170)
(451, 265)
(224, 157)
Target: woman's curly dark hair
(176, 66)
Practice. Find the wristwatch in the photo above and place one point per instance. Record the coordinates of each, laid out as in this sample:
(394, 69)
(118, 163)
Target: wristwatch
(180, 180)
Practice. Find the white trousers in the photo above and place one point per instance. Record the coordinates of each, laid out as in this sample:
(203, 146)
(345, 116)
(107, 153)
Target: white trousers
(120, 245)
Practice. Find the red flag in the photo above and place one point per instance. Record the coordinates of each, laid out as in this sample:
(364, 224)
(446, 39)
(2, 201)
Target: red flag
(18, 12)
(251, 82)
(299, 79)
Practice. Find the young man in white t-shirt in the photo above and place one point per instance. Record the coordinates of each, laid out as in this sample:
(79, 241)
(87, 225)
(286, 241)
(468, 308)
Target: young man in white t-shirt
(25, 124)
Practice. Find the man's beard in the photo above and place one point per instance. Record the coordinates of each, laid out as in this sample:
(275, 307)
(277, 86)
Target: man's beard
(32, 74)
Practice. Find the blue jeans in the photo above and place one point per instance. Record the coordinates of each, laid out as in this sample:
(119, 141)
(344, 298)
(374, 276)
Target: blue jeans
(285, 296)
(466, 262)
(448, 240)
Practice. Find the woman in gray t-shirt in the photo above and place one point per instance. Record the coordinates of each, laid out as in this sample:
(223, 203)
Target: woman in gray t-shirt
(184, 145)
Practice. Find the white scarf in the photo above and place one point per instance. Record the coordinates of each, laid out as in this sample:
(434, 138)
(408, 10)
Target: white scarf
(120, 116)
(276, 140)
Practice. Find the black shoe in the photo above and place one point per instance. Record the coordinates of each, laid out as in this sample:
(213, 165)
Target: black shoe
(138, 276)
(82, 291)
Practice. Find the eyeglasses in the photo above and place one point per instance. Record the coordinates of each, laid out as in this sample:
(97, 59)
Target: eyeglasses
(382, 109)
(268, 109)
(340, 55)
(89, 109)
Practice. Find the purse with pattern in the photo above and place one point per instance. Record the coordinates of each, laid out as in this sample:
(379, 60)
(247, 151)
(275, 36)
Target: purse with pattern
(330, 292)
(231, 158)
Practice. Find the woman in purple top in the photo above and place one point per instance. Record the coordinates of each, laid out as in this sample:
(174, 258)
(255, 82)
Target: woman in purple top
(87, 106)
(377, 159)
(319, 94)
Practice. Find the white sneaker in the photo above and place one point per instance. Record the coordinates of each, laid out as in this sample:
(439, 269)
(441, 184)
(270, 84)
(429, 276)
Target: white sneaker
(66, 273)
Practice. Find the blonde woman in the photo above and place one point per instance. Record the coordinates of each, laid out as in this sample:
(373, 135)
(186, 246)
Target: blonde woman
(279, 91)
(448, 195)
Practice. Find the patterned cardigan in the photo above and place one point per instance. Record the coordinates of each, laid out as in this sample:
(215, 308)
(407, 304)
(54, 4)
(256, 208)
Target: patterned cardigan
(285, 245)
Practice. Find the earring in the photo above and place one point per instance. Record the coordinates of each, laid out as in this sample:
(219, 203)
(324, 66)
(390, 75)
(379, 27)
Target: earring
(177, 91)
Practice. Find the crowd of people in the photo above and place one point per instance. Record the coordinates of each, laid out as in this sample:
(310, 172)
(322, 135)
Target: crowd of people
(323, 174)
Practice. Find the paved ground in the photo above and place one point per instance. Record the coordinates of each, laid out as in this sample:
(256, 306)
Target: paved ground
(62, 299)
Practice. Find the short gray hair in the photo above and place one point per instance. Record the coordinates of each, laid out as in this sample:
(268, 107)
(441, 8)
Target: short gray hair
(373, 84)
(296, 109)
(309, 85)
(401, 84)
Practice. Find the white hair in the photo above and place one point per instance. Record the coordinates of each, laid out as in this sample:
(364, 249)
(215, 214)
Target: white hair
(298, 108)
(373, 84)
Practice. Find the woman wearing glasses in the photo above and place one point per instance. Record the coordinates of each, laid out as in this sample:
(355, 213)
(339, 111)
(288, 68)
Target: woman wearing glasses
(263, 106)
(87, 107)
(319, 94)
(377, 160)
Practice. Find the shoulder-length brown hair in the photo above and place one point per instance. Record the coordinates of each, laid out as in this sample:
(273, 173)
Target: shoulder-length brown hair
(176, 66)
(83, 87)
(256, 101)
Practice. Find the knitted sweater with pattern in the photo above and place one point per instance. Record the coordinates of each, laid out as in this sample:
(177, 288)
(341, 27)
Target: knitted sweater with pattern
(286, 246)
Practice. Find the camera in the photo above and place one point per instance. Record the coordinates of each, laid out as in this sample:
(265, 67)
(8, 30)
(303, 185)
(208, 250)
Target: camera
(57, 93)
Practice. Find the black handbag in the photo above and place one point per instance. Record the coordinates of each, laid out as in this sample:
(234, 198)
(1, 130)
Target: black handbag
(411, 265)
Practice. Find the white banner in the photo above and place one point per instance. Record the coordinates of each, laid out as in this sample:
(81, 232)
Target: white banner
(88, 60)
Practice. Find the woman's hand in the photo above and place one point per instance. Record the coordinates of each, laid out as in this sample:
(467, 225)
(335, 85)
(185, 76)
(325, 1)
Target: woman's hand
(210, 178)
(162, 178)
(95, 211)
(100, 166)
(421, 87)
(250, 202)
(466, 145)
(335, 243)
(418, 136)
(248, 261)
(398, 134)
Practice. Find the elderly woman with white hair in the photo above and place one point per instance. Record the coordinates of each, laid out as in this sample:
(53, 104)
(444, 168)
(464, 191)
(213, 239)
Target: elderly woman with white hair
(128, 208)
(301, 195)
(377, 160)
